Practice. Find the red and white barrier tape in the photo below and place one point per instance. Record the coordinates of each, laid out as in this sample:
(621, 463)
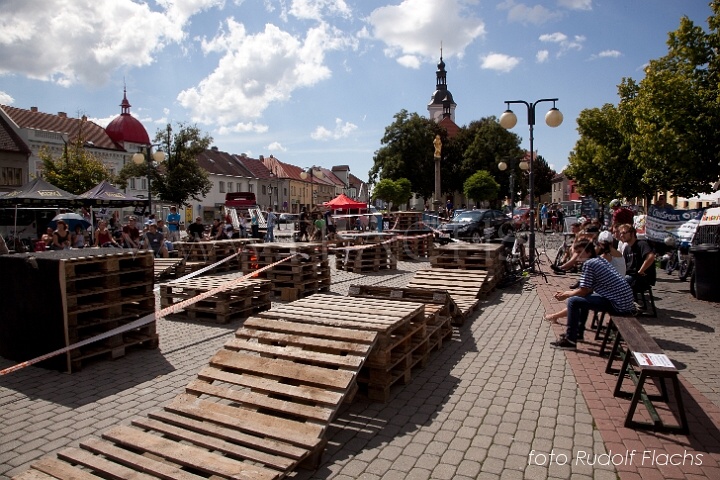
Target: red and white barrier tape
(147, 318)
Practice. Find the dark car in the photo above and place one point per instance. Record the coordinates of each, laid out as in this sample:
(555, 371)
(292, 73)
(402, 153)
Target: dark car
(476, 226)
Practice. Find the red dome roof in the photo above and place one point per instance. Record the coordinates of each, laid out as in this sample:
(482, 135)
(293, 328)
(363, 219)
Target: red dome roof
(126, 128)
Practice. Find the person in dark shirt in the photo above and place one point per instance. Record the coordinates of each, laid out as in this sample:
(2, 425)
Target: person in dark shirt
(196, 230)
(155, 241)
(620, 215)
(131, 234)
(639, 256)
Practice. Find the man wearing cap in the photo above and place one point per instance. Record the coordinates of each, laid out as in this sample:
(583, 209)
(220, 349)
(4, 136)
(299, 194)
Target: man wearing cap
(154, 241)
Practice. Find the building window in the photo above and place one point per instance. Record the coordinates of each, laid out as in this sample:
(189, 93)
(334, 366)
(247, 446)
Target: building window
(251, 188)
(132, 184)
(143, 183)
(222, 187)
(11, 176)
(264, 190)
(230, 185)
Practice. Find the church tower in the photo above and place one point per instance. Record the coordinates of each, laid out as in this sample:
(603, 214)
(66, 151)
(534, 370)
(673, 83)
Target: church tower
(441, 102)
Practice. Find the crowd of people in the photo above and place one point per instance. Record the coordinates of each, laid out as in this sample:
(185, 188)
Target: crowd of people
(614, 265)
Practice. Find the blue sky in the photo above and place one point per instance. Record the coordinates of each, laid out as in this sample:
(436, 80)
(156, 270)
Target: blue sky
(317, 81)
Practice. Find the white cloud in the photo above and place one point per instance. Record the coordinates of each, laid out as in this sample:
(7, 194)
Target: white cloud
(542, 56)
(341, 130)
(259, 69)
(576, 4)
(85, 41)
(606, 54)
(521, 13)
(6, 99)
(412, 32)
(276, 147)
(317, 9)
(243, 127)
(563, 41)
(499, 62)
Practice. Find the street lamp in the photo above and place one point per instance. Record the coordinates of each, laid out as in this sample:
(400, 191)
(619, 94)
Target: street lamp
(139, 158)
(502, 166)
(553, 119)
(310, 172)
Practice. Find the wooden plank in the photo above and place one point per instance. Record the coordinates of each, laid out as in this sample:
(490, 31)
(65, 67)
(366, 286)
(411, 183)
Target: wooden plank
(134, 460)
(101, 465)
(211, 443)
(303, 434)
(276, 368)
(33, 475)
(347, 304)
(298, 316)
(61, 470)
(281, 449)
(319, 311)
(303, 341)
(296, 353)
(187, 455)
(260, 401)
(270, 386)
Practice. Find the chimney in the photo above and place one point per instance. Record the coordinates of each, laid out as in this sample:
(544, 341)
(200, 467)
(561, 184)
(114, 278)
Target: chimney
(214, 149)
(62, 114)
(262, 158)
(84, 118)
(33, 109)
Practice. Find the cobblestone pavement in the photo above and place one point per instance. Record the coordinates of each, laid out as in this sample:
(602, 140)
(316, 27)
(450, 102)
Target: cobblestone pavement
(489, 398)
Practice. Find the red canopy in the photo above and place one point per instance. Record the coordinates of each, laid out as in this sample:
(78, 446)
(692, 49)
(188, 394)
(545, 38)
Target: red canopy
(342, 201)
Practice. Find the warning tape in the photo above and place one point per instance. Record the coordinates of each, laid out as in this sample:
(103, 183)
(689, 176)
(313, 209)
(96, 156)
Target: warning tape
(175, 308)
(435, 230)
(198, 272)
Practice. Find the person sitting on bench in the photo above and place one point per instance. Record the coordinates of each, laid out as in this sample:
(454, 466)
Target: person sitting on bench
(639, 256)
(601, 289)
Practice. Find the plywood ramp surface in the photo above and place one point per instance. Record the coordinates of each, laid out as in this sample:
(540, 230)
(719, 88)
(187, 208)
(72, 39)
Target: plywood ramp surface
(464, 286)
(256, 411)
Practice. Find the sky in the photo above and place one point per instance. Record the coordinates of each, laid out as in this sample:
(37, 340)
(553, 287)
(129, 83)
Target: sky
(316, 82)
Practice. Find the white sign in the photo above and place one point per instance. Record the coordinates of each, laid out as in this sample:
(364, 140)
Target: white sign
(653, 360)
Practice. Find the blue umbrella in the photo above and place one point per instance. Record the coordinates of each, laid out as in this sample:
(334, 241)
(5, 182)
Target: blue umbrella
(72, 220)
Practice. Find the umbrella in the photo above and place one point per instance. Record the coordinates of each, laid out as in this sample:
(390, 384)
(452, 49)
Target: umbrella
(72, 220)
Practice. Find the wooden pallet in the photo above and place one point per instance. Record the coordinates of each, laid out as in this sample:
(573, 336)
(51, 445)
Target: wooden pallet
(415, 246)
(464, 286)
(404, 334)
(469, 256)
(242, 300)
(368, 257)
(168, 268)
(257, 411)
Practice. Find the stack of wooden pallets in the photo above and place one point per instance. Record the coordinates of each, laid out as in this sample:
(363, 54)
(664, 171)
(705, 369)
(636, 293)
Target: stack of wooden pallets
(257, 411)
(472, 256)
(306, 273)
(402, 328)
(239, 301)
(77, 294)
(416, 246)
(464, 286)
(168, 268)
(409, 221)
(369, 257)
(201, 254)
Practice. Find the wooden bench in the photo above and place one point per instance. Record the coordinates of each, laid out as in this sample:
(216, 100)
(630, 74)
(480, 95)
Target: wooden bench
(638, 351)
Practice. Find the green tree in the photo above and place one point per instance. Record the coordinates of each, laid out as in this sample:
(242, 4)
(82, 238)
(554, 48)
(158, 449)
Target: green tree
(676, 111)
(391, 191)
(407, 152)
(77, 170)
(543, 175)
(179, 178)
(481, 186)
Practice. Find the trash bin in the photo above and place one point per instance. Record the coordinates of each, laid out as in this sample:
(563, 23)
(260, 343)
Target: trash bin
(707, 266)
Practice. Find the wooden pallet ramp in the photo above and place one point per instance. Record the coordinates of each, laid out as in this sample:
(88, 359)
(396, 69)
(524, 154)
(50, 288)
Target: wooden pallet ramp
(464, 286)
(258, 410)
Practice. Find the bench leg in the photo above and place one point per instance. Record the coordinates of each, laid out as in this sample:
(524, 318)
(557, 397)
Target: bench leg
(608, 331)
(614, 353)
(599, 324)
(635, 398)
(621, 374)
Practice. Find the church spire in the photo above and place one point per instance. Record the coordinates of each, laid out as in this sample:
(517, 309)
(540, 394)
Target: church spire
(441, 102)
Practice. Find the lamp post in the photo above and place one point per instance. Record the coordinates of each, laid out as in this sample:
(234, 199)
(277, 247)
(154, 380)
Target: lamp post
(502, 166)
(553, 119)
(139, 158)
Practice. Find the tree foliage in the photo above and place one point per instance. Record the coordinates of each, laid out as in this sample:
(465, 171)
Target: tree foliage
(663, 135)
(397, 192)
(481, 186)
(179, 178)
(77, 170)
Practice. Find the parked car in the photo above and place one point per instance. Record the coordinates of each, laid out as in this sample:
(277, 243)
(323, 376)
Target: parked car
(476, 226)
(288, 218)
